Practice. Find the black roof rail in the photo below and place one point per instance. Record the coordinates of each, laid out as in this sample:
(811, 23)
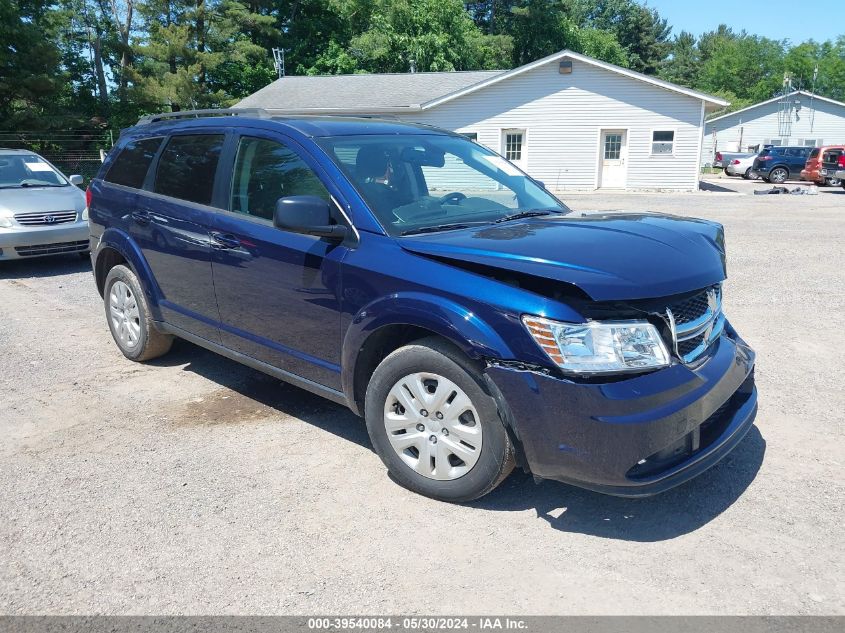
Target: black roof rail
(259, 113)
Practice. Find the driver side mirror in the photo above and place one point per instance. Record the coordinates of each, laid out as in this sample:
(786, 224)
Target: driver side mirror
(76, 179)
(308, 215)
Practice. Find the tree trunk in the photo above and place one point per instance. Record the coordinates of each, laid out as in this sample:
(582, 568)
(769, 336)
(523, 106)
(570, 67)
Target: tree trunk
(102, 86)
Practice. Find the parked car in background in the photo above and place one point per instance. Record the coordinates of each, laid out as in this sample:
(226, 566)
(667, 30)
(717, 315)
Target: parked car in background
(723, 159)
(821, 165)
(431, 286)
(741, 166)
(831, 163)
(779, 164)
(836, 167)
(42, 212)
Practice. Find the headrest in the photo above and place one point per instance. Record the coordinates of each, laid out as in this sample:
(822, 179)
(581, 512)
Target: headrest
(371, 162)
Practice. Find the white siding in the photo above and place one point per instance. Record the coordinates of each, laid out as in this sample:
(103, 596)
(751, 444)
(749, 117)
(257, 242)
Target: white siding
(563, 116)
(819, 120)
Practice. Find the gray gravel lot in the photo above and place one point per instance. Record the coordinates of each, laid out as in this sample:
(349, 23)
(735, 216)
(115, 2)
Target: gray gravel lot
(193, 485)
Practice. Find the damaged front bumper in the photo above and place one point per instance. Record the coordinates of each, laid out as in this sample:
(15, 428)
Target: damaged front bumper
(635, 436)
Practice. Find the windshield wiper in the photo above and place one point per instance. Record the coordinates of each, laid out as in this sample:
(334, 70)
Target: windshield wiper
(441, 227)
(531, 213)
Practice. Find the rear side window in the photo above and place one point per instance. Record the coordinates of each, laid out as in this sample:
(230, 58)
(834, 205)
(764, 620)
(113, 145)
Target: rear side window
(187, 166)
(266, 171)
(814, 153)
(131, 165)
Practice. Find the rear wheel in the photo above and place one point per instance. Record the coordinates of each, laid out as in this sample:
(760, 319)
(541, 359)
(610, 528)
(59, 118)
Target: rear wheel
(778, 175)
(747, 174)
(129, 318)
(434, 425)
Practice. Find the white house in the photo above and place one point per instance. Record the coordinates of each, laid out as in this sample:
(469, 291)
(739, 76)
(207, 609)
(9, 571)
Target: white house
(573, 122)
(798, 118)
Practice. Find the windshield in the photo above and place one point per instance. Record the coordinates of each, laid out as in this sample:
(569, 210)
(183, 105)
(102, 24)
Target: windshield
(28, 170)
(422, 183)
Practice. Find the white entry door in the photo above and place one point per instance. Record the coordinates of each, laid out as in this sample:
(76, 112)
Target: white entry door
(514, 148)
(614, 154)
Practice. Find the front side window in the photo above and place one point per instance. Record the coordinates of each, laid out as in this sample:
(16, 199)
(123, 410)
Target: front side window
(662, 142)
(419, 182)
(131, 165)
(28, 170)
(187, 166)
(266, 171)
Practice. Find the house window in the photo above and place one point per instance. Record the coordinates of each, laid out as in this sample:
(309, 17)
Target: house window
(662, 142)
(513, 145)
(811, 142)
(773, 142)
(612, 146)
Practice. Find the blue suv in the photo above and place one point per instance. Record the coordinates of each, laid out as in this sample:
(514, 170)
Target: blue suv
(425, 282)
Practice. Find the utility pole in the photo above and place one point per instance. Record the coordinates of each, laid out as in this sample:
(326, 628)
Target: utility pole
(813, 96)
(279, 61)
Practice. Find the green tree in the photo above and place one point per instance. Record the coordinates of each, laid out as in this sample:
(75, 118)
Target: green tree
(30, 63)
(433, 35)
(682, 65)
(749, 67)
(643, 34)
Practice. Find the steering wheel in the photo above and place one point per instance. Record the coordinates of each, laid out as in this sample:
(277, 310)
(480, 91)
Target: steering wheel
(455, 196)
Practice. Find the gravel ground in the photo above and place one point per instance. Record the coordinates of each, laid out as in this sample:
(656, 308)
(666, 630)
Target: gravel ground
(192, 485)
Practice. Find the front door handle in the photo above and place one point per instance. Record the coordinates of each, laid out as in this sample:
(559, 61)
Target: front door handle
(141, 217)
(224, 241)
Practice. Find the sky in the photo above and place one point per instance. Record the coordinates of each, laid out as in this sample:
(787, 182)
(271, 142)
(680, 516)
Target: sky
(775, 19)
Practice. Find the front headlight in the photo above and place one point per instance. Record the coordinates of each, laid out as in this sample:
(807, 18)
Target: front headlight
(5, 223)
(85, 214)
(599, 347)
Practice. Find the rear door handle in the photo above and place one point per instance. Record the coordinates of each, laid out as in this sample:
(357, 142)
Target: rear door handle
(141, 217)
(224, 241)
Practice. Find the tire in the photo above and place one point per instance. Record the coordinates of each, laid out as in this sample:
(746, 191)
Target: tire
(129, 318)
(778, 175)
(435, 459)
(747, 174)
(832, 182)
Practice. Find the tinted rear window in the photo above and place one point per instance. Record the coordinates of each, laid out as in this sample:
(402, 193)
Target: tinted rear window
(814, 153)
(187, 166)
(131, 165)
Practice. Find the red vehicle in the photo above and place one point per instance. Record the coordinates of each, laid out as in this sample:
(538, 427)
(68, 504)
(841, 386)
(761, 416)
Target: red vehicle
(813, 168)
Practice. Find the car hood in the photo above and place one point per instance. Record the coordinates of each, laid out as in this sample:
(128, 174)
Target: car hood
(29, 199)
(609, 256)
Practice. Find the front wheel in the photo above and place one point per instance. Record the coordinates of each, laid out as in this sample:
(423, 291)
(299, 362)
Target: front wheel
(832, 182)
(434, 425)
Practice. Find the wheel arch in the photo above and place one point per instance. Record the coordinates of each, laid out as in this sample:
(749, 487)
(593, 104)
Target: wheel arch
(391, 322)
(117, 248)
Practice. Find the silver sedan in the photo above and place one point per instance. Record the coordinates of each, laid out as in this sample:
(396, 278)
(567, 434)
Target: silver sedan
(42, 212)
(740, 165)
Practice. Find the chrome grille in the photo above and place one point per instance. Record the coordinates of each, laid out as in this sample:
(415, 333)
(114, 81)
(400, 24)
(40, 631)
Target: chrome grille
(692, 308)
(52, 249)
(696, 323)
(45, 218)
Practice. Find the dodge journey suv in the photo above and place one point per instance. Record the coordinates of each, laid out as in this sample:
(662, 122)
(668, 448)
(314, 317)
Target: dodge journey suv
(428, 284)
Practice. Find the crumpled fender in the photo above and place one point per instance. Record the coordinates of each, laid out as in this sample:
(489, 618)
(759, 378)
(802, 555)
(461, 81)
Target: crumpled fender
(442, 316)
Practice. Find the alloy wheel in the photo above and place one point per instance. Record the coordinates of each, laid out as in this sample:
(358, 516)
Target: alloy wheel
(124, 314)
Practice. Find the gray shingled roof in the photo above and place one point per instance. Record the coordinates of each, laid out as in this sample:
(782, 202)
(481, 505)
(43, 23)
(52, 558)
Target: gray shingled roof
(361, 92)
